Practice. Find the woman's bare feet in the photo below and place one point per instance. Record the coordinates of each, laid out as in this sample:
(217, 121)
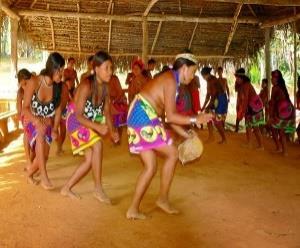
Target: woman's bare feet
(222, 142)
(47, 185)
(102, 197)
(135, 215)
(166, 207)
(32, 181)
(69, 193)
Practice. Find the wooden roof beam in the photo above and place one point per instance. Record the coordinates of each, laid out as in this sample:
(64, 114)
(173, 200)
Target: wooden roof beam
(150, 18)
(280, 21)
(138, 54)
(8, 11)
(261, 2)
(233, 27)
(33, 3)
(194, 31)
(149, 7)
(110, 28)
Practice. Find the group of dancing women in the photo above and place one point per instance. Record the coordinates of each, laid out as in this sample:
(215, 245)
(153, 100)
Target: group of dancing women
(55, 104)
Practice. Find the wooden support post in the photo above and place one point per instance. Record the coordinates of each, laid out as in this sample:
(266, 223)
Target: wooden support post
(295, 62)
(268, 59)
(156, 37)
(145, 41)
(194, 31)
(14, 44)
(78, 30)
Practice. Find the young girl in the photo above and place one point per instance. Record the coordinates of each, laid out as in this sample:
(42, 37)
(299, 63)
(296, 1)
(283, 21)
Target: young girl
(282, 112)
(39, 110)
(23, 76)
(251, 107)
(88, 119)
(147, 136)
(216, 102)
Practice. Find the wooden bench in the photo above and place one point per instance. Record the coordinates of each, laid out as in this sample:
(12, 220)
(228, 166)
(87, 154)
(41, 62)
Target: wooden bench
(4, 117)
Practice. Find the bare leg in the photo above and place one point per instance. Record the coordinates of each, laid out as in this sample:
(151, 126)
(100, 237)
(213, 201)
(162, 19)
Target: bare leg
(276, 140)
(78, 174)
(210, 132)
(61, 138)
(258, 136)
(237, 124)
(167, 174)
(97, 173)
(283, 142)
(143, 182)
(220, 128)
(41, 151)
(27, 151)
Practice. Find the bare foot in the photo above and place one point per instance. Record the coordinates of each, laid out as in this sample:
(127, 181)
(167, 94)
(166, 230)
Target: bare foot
(32, 181)
(222, 142)
(277, 151)
(165, 206)
(47, 185)
(246, 145)
(59, 152)
(259, 148)
(135, 215)
(209, 140)
(69, 193)
(102, 197)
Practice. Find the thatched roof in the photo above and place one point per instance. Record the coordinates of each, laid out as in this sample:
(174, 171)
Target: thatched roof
(208, 27)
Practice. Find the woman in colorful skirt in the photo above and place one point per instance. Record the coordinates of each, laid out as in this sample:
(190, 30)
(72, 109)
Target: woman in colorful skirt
(39, 106)
(88, 120)
(251, 108)
(147, 135)
(298, 107)
(282, 113)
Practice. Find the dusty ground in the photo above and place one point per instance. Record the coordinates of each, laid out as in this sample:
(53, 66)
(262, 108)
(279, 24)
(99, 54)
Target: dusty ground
(231, 197)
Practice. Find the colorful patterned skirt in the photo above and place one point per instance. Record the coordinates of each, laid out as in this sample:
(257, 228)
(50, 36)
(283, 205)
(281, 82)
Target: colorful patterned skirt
(81, 137)
(285, 117)
(145, 130)
(31, 133)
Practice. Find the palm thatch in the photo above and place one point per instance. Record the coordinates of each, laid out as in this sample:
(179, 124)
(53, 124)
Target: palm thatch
(213, 30)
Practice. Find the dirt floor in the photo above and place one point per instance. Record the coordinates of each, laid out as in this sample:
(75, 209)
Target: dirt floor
(231, 197)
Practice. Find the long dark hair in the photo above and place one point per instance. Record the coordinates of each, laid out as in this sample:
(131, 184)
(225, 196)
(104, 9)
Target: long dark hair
(23, 74)
(281, 83)
(98, 59)
(54, 62)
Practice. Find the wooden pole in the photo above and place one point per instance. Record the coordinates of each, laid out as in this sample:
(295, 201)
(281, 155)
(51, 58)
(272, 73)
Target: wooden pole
(212, 56)
(261, 2)
(8, 11)
(268, 59)
(110, 28)
(14, 44)
(295, 62)
(233, 27)
(194, 31)
(149, 7)
(145, 42)
(156, 36)
(78, 30)
(132, 18)
(280, 21)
